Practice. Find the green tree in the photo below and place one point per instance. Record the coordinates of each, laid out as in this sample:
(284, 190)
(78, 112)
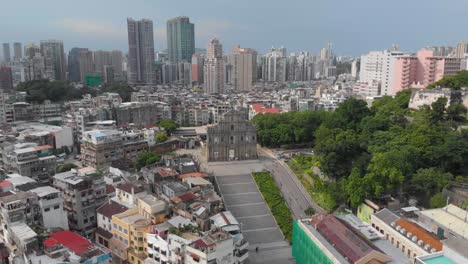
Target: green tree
(123, 89)
(161, 137)
(356, 188)
(455, 82)
(437, 201)
(147, 158)
(169, 125)
(66, 167)
(429, 181)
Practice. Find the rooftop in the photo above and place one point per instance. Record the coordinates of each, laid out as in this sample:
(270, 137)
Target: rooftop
(129, 188)
(76, 243)
(451, 217)
(261, 108)
(45, 190)
(23, 231)
(420, 233)
(111, 208)
(346, 240)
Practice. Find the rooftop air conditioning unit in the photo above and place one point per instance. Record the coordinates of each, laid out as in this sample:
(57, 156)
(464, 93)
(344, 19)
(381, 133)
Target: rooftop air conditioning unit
(427, 247)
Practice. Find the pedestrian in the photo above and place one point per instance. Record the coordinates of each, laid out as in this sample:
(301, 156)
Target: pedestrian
(256, 249)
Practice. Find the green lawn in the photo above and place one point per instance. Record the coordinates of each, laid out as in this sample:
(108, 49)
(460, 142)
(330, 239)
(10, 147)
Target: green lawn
(275, 201)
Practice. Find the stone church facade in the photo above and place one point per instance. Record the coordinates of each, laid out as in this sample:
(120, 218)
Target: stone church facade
(233, 138)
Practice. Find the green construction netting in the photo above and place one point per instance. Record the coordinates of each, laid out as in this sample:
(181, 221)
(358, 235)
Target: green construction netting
(304, 249)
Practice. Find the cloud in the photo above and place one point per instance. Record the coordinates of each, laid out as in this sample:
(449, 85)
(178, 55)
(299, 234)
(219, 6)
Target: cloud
(92, 28)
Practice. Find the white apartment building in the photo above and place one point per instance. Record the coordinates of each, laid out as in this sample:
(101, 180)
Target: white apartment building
(51, 207)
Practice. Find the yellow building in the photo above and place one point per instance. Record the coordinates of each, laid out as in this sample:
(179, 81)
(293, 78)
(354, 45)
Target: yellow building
(129, 229)
(128, 232)
(153, 208)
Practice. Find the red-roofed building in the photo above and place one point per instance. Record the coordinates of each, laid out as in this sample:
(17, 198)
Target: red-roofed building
(6, 186)
(327, 239)
(256, 109)
(67, 243)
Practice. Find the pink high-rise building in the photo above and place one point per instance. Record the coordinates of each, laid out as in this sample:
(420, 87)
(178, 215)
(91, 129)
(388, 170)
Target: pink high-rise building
(422, 69)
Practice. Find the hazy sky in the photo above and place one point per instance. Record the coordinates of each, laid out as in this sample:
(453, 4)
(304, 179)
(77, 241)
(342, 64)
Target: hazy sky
(354, 26)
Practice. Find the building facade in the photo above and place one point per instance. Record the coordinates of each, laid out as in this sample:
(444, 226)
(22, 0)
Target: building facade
(214, 69)
(6, 52)
(180, 39)
(244, 68)
(140, 51)
(54, 58)
(6, 79)
(233, 138)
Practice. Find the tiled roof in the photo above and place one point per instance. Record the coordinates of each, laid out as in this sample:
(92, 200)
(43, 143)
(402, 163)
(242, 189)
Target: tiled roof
(260, 108)
(76, 243)
(345, 239)
(421, 233)
(110, 188)
(386, 216)
(127, 187)
(110, 209)
(187, 197)
(192, 174)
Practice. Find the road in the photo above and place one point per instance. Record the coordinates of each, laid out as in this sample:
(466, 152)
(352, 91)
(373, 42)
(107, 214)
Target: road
(293, 191)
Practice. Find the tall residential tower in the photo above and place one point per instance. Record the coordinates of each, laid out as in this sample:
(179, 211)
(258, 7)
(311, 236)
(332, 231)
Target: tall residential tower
(214, 68)
(180, 39)
(54, 59)
(140, 51)
(244, 62)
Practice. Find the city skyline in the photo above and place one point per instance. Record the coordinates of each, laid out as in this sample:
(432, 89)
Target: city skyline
(344, 24)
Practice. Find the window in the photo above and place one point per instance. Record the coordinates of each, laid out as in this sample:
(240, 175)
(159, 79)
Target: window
(56, 207)
(47, 209)
(125, 231)
(242, 138)
(232, 127)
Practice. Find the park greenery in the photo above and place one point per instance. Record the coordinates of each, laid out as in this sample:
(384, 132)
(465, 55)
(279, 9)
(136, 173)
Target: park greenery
(146, 159)
(161, 137)
(38, 91)
(123, 89)
(370, 152)
(455, 82)
(270, 191)
(169, 125)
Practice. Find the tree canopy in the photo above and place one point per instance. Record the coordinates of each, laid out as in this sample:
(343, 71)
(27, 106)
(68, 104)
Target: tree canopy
(38, 91)
(455, 82)
(147, 158)
(382, 150)
(169, 125)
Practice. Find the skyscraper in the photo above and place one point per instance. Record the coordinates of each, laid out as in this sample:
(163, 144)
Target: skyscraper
(86, 64)
(80, 62)
(244, 62)
(6, 52)
(54, 57)
(30, 50)
(180, 39)
(214, 68)
(140, 51)
(461, 49)
(18, 51)
(74, 64)
(6, 79)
